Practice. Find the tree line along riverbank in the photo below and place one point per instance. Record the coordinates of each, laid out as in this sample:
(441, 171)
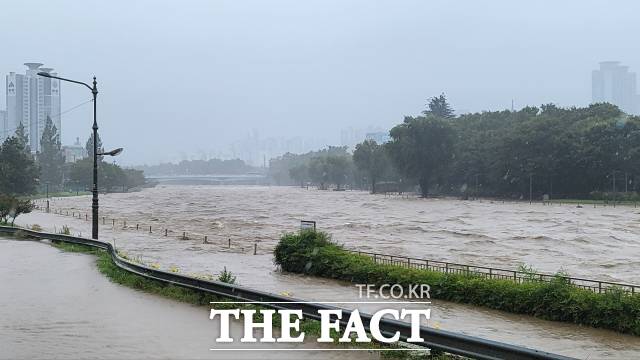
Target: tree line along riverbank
(581, 153)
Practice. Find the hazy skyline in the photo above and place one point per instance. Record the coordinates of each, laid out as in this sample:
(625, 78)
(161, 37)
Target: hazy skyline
(195, 77)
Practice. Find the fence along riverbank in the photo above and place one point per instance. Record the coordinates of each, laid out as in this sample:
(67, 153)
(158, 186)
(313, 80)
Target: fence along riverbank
(518, 276)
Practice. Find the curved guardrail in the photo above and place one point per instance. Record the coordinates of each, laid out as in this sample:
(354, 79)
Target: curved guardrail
(436, 339)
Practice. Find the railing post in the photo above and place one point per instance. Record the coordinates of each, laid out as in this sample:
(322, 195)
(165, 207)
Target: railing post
(137, 226)
(166, 232)
(149, 229)
(375, 261)
(446, 267)
(408, 263)
(515, 276)
(599, 287)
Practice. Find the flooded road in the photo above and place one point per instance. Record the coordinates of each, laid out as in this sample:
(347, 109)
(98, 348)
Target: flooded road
(244, 214)
(599, 243)
(57, 305)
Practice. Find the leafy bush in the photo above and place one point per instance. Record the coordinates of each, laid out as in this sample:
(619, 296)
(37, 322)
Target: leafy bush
(313, 253)
(227, 277)
(11, 207)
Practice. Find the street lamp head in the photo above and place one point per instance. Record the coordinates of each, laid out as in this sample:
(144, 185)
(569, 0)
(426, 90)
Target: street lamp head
(42, 73)
(114, 152)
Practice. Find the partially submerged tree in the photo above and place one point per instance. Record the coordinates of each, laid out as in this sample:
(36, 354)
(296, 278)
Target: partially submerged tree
(372, 160)
(421, 148)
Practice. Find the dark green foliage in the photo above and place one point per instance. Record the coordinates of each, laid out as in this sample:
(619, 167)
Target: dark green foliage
(227, 276)
(299, 173)
(421, 149)
(372, 160)
(439, 107)
(50, 157)
(12, 207)
(566, 152)
(24, 139)
(313, 253)
(18, 170)
(110, 176)
(89, 147)
(328, 166)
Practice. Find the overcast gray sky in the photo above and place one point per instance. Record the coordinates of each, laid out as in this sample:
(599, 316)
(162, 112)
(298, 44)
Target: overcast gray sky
(182, 77)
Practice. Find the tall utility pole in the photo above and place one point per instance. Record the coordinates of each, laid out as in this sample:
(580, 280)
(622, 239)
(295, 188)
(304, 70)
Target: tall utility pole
(94, 200)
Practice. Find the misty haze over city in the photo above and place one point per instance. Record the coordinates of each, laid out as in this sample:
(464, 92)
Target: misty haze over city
(208, 78)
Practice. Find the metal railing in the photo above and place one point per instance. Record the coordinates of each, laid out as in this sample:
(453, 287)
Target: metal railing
(495, 273)
(436, 339)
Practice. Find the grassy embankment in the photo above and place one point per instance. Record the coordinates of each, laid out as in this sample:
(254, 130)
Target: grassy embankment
(311, 327)
(313, 253)
(57, 194)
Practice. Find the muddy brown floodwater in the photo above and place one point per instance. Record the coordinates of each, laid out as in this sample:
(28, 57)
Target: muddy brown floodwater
(600, 243)
(56, 305)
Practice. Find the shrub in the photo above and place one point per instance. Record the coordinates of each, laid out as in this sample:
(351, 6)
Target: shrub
(313, 253)
(227, 277)
(11, 207)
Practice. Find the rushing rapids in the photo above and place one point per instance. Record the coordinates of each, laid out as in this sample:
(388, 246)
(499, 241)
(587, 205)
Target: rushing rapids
(591, 242)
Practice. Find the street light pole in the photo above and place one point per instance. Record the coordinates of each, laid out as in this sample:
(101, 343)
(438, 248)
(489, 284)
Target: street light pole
(94, 202)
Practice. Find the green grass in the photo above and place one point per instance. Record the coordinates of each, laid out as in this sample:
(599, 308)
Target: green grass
(57, 194)
(313, 253)
(311, 327)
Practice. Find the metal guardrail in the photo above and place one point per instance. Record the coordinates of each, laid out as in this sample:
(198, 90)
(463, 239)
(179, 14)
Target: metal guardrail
(494, 273)
(436, 339)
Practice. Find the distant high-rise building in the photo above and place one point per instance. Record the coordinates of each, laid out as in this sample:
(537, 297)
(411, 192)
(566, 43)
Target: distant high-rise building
(75, 152)
(615, 84)
(4, 127)
(30, 100)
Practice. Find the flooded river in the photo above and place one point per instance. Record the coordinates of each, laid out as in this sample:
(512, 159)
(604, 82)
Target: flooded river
(57, 305)
(598, 243)
(601, 243)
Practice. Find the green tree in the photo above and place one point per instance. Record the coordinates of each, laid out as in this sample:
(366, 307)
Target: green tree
(50, 158)
(24, 139)
(89, 147)
(338, 168)
(438, 106)
(371, 158)
(11, 207)
(110, 176)
(18, 170)
(421, 148)
(299, 173)
(319, 171)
